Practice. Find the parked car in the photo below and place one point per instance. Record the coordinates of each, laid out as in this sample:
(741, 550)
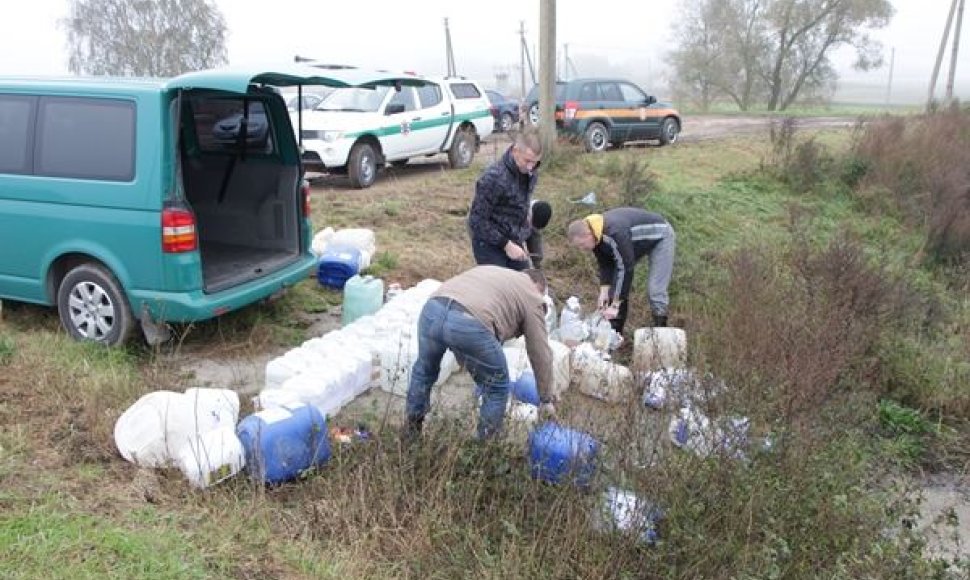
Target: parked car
(505, 112)
(126, 201)
(601, 112)
(355, 131)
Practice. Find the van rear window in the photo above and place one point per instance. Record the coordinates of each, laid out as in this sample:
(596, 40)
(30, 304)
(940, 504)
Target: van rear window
(465, 91)
(85, 138)
(219, 124)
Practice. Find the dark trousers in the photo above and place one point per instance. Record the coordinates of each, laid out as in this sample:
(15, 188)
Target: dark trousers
(491, 255)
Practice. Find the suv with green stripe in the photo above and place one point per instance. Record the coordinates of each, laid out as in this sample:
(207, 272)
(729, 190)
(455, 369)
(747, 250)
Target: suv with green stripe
(355, 131)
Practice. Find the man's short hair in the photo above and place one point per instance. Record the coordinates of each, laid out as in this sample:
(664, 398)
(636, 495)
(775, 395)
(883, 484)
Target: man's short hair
(537, 277)
(577, 229)
(529, 139)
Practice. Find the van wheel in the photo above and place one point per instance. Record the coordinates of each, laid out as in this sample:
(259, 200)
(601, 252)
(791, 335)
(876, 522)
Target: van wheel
(92, 306)
(462, 150)
(362, 166)
(596, 138)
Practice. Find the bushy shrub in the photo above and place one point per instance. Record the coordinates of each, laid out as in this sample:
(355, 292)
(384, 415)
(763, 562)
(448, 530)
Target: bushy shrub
(924, 163)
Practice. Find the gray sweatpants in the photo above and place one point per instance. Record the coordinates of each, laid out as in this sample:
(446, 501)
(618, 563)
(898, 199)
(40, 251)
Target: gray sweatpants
(661, 259)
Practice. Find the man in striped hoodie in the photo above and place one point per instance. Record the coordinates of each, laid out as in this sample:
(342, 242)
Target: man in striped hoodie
(619, 238)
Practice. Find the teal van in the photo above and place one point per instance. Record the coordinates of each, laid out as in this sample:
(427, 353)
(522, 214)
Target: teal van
(135, 201)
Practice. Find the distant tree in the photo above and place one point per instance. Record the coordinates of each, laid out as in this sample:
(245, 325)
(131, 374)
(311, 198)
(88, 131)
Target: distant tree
(774, 51)
(156, 38)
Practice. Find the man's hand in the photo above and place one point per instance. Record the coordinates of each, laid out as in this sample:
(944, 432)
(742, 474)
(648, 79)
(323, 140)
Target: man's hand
(516, 252)
(604, 298)
(610, 312)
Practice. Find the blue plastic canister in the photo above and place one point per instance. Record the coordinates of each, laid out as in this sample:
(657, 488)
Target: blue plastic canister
(558, 454)
(282, 442)
(337, 265)
(363, 295)
(524, 388)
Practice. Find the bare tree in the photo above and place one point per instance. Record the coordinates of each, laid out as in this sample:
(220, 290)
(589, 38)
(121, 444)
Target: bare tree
(773, 51)
(157, 38)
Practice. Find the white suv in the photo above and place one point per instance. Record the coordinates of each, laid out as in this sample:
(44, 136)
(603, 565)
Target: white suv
(357, 130)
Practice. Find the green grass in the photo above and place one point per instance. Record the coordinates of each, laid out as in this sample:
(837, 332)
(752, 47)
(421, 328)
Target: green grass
(46, 541)
(816, 505)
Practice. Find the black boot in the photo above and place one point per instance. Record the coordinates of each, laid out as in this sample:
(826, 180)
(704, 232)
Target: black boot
(659, 320)
(412, 430)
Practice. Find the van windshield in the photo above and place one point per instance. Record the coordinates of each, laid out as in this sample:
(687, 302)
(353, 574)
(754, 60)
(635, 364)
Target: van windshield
(354, 99)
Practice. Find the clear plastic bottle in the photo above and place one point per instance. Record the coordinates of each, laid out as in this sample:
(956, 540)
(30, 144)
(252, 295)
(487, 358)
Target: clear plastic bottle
(550, 313)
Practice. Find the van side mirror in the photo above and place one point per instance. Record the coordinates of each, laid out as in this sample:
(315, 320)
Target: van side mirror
(394, 109)
(651, 99)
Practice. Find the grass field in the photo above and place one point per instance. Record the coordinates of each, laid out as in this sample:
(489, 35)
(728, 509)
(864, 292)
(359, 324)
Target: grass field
(810, 300)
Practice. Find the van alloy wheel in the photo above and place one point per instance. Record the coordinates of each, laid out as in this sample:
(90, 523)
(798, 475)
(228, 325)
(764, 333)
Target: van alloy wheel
(92, 306)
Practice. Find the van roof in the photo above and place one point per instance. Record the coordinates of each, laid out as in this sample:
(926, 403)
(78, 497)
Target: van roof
(234, 79)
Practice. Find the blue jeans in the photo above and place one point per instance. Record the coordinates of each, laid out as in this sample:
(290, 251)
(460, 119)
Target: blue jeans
(446, 324)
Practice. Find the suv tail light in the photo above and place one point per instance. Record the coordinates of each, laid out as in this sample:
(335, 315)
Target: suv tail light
(305, 191)
(178, 230)
(571, 107)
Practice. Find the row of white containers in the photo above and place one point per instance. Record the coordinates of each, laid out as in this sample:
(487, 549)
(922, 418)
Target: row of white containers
(330, 371)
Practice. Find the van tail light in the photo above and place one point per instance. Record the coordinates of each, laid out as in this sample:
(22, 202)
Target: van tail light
(305, 191)
(179, 233)
(570, 110)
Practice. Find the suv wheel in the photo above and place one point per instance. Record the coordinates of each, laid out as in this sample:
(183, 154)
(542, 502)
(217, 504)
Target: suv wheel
(505, 122)
(362, 165)
(534, 114)
(462, 150)
(669, 131)
(597, 138)
(92, 306)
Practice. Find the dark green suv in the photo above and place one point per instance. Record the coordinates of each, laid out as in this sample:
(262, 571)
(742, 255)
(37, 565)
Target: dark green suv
(604, 112)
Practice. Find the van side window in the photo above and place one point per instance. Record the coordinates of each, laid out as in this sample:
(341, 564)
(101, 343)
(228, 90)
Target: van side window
(85, 138)
(16, 120)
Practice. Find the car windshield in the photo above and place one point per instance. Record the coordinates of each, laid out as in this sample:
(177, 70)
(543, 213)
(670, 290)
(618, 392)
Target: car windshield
(354, 99)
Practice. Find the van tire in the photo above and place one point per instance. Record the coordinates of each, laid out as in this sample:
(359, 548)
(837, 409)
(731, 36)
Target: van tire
(362, 165)
(93, 306)
(462, 150)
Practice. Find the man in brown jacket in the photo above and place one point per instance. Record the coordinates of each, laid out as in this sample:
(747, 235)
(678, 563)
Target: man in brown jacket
(473, 314)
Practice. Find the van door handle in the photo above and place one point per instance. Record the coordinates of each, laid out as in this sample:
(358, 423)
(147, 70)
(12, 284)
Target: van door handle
(415, 119)
(446, 114)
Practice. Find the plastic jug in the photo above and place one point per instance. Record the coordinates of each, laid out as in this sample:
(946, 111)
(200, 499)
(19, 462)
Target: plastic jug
(558, 454)
(362, 296)
(283, 442)
(524, 388)
(571, 328)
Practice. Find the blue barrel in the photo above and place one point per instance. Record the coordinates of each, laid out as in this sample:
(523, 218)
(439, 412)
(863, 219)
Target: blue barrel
(558, 454)
(337, 265)
(280, 443)
(524, 388)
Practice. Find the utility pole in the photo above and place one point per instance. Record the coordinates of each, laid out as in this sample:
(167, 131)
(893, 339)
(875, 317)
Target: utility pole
(953, 55)
(547, 74)
(939, 54)
(526, 58)
(889, 84)
(449, 54)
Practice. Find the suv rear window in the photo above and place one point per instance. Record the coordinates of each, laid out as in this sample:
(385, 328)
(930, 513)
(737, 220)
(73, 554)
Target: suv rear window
(465, 91)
